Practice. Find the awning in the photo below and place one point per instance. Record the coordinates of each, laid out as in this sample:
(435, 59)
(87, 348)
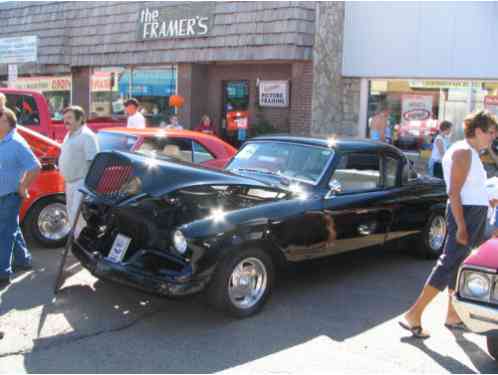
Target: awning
(148, 83)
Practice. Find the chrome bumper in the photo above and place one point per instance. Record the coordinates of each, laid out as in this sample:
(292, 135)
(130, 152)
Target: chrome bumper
(478, 318)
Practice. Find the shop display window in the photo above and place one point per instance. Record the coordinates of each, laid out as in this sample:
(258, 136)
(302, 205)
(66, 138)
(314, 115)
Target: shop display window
(410, 111)
(152, 87)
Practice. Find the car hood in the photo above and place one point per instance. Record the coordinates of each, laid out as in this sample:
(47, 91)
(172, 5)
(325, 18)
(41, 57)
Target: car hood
(42, 146)
(486, 256)
(160, 176)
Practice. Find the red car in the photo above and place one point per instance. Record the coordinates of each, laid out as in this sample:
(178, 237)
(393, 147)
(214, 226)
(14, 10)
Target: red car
(43, 215)
(185, 145)
(34, 112)
(476, 299)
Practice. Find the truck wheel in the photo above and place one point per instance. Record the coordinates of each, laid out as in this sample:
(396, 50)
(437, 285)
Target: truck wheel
(492, 342)
(433, 236)
(242, 283)
(48, 222)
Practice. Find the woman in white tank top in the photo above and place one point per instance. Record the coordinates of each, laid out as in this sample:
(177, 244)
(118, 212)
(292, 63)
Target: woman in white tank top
(465, 179)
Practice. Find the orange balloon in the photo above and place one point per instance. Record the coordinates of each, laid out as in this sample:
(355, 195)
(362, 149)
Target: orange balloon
(176, 101)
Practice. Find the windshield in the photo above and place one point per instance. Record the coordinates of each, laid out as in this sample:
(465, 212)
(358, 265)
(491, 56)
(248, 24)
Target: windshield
(299, 162)
(115, 141)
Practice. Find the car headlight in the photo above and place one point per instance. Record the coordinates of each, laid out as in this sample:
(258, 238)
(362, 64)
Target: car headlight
(476, 285)
(179, 242)
(132, 187)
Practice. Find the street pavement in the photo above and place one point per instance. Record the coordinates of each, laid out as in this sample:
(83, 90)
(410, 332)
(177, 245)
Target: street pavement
(338, 314)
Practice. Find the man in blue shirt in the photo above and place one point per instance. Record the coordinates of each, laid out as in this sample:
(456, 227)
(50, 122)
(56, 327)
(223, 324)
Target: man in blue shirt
(18, 169)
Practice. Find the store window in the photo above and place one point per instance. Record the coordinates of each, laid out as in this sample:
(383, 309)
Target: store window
(408, 112)
(151, 86)
(56, 89)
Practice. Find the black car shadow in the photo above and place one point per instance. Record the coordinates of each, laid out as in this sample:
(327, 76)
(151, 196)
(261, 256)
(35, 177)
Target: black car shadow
(482, 361)
(452, 365)
(135, 330)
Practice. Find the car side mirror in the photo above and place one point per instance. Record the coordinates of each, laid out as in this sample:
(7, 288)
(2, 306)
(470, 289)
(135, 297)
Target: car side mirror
(334, 188)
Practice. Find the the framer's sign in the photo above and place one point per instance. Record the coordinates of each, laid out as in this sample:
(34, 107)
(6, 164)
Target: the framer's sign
(175, 21)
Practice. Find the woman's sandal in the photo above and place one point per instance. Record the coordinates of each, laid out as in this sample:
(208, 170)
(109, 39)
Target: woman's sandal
(417, 331)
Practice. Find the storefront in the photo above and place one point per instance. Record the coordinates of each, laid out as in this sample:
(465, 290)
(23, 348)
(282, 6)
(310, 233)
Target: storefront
(247, 65)
(416, 107)
(420, 69)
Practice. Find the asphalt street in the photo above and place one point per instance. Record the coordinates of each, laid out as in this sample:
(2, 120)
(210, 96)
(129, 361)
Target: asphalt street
(340, 314)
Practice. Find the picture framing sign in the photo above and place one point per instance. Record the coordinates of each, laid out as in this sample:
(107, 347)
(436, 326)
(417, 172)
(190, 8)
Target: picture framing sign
(181, 21)
(274, 93)
(18, 50)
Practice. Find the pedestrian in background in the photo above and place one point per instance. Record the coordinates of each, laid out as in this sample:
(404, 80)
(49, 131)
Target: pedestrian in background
(205, 126)
(465, 179)
(77, 152)
(439, 147)
(379, 123)
(136, 119)
(174, 124)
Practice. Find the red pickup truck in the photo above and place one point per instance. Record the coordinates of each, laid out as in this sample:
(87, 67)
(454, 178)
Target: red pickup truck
(33, 112)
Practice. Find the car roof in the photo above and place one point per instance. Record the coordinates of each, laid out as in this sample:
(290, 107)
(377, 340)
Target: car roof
(151, 132)
(340, 144)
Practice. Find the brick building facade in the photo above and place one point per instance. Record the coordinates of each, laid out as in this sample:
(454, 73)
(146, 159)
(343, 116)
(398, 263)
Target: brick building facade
(300, 43)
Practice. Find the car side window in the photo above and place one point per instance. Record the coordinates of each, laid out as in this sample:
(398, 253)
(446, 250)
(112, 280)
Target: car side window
(200, 153)
(25, 108)
(390, 171)
(176, 148)
(409, 174)
(357, 172)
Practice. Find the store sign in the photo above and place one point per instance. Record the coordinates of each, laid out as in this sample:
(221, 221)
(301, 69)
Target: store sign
(18, 50)
(43, 83)
(181, 21)
(437, 84)
(104, 81)
(491, 104)
(274, 93)
(416, 107)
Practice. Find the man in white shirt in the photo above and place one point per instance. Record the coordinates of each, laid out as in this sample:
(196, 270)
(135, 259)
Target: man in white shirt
(135, 118)
(77, 152)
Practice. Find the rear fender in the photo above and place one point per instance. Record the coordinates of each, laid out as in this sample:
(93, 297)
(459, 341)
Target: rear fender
(27, 206)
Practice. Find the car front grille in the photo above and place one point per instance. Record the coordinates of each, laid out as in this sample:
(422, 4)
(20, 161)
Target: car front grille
(107, 175)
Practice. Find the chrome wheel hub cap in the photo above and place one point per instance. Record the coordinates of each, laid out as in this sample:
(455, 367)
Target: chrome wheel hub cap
(248, 283)
(437, 233)
(53, 222)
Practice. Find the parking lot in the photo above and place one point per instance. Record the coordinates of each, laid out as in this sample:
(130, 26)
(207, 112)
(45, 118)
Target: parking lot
(335, 315)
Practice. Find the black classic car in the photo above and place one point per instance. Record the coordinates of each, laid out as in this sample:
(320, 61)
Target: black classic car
(175, 229)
